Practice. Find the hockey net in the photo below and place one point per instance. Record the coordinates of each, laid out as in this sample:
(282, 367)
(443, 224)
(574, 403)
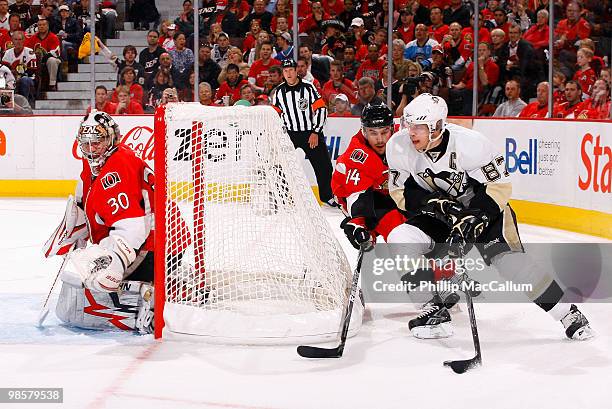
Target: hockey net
(244, 251)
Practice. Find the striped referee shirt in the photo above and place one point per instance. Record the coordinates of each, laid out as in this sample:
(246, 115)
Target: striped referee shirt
(300, 106)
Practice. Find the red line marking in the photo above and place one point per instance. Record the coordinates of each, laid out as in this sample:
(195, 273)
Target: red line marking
(124, 375)
(193, 402)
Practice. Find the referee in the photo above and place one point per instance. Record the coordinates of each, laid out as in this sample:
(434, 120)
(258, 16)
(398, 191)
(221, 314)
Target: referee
(304, 114)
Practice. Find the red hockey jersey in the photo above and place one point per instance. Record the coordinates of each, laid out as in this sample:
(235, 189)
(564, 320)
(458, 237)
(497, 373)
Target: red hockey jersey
(123, 190)
(49, 44)
(360, 171)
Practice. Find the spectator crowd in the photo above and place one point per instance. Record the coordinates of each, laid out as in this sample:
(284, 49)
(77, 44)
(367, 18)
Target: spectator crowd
(342, 49)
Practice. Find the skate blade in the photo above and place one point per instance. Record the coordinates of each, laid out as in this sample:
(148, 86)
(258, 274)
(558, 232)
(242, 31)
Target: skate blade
(444, 330)
(584, 333)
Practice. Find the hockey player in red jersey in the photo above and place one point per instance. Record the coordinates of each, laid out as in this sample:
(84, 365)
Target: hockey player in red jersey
(114, 210)
(360, 180)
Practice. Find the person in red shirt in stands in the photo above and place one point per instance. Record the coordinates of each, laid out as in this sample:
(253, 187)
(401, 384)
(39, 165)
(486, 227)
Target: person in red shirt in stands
(46, 45)
(538, 108)
(489, 11)
(313, 20)
(437, 29)
(5, 35)
(483, 34)
(125, 106)
(231, 86)
(372, 66)
(488, 75)
(342, 106)
(456, 47)
(258, 74)
(128, 78)
(442, 4)
(500, 20)
(573, 106)
(337, 84)
(598, 106)
(538, 33)
(380, 39)
(572, 28)
(102, 102)
(597, 63)
(405, 26)
(251, 36)
(334, 7)
(585, 75)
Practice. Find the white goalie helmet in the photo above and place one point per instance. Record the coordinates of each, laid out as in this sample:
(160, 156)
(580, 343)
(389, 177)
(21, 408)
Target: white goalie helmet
(426, 109)
(98, 136)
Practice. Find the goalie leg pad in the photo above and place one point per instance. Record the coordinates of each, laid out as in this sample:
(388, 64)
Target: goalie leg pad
(84, 308)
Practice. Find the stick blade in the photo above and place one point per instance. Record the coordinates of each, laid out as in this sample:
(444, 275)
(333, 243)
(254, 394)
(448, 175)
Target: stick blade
(42, 316)
(316, 352)
(463, 366)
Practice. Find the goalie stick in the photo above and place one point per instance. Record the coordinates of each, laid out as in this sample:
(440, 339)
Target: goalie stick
(461, 366)
(44, 310)
(319, 352)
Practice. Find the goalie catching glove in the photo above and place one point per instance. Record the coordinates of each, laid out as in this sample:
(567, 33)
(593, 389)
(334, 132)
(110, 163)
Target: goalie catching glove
(468, 225)
(100, 267)
(357, 233)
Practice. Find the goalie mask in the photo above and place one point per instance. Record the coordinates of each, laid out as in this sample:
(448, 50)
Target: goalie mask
(428, 110)
(97, 138)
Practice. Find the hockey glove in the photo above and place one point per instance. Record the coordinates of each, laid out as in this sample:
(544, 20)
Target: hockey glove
(100, 267)
(71, 231)
(440, 206)
(467, 227)
(357, 233)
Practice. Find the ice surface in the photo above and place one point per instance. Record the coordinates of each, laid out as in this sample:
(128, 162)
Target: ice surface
(527, 361)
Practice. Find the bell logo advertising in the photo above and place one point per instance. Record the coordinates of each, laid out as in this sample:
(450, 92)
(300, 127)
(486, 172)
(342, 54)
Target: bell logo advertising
(537, 157)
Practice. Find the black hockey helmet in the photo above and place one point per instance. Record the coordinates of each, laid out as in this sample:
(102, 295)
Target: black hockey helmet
(376, 116)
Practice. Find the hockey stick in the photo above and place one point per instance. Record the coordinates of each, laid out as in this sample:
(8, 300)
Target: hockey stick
(44, 310)
(462, 366)
(318, 352)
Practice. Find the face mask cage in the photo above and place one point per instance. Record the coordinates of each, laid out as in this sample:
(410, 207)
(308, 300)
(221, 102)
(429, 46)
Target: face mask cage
(96, 145)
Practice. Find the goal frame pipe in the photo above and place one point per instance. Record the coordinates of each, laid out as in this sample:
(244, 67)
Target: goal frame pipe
(160, 194)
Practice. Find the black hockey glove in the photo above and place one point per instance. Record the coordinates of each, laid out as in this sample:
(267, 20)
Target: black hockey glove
(357, 233)
(441, 207)
(467, 227)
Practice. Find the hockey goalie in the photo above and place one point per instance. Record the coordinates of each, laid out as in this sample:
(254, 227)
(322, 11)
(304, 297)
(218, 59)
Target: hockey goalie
(107, 235)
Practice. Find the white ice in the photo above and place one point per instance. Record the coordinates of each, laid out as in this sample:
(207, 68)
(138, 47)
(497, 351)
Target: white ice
(528, 363)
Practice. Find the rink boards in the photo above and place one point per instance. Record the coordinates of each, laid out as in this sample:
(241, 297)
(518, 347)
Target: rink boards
(561, 170)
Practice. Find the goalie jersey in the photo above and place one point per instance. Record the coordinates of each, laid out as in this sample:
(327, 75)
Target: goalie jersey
(120, 197)
(466, 166)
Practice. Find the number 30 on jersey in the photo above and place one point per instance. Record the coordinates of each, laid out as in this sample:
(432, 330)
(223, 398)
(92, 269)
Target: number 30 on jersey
(119, 202)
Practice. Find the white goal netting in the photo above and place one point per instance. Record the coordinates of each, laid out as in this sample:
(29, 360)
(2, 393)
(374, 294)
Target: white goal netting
(250, 257)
